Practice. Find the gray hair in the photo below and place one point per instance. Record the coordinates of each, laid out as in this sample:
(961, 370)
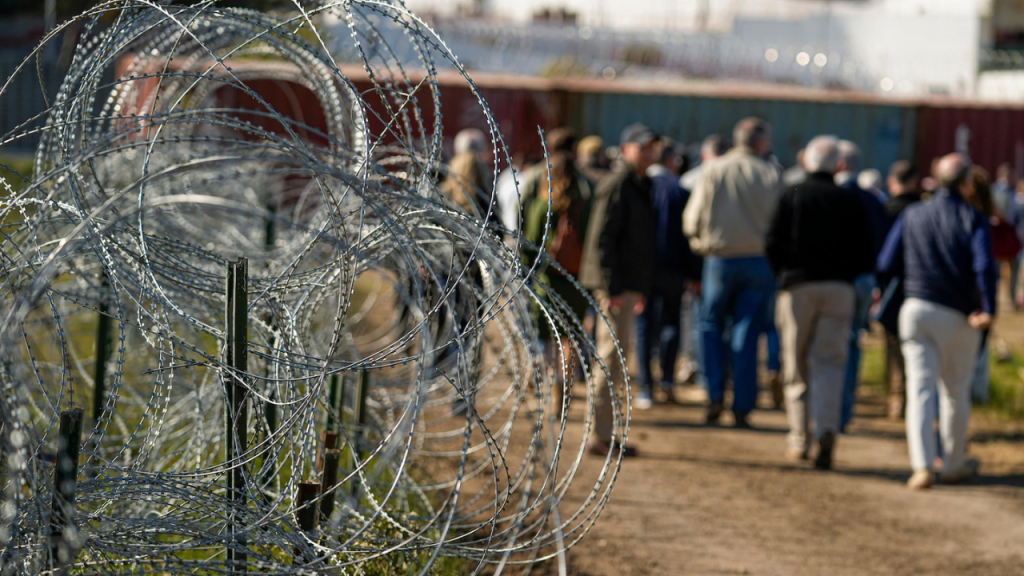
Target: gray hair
(750, 132)
(849, 153)
(870, 178)
(952, 169)
(822, 154)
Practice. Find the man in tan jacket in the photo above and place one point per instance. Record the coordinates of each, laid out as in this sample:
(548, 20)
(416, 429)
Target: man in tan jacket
(726, 220)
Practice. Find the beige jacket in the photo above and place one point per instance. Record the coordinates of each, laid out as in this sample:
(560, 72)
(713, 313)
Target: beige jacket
(730, 208)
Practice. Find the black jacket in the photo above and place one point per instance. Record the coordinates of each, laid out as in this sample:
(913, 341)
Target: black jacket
(619, 252)
(819, 232)
(897, 204)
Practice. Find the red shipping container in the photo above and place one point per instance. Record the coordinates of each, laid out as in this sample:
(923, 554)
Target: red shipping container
(990, 136)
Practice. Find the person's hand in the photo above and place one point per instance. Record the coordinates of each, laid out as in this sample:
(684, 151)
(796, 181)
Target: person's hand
(1020, 300)
(980, 320)
(638, 307)
(694, 287)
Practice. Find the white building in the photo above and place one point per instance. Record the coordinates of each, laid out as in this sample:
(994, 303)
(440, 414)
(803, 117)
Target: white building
(901, 47)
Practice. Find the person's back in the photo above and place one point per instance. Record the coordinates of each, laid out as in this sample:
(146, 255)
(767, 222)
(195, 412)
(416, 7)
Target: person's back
(943, 251)
(675, 261)
(731, 204)
(726, 219)
(829, 236)
(621, 243)
(940, 256)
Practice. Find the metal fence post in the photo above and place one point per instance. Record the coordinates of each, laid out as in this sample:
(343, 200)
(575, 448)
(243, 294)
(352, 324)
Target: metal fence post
(236, 357)
(64, 540)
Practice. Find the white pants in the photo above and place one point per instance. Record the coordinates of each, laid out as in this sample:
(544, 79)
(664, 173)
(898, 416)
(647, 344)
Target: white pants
(940, 349)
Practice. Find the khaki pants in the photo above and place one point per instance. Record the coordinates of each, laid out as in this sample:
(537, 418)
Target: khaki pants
(814, 324)
(940, 349)
(622, 322)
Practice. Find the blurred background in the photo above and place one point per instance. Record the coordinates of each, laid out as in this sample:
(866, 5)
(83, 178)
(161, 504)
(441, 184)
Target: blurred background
(904, 78)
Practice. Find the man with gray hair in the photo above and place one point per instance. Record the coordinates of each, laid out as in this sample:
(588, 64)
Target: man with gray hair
(817, 244)
(943, 251)
(726, 220)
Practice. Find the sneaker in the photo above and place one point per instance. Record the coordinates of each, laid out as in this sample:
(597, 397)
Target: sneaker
(823, 461)
(794, 455)
(604, 448)
(643, 402)
(714, 412)
(778, 397)
(921, 480)
(741, 422)
(969, 469)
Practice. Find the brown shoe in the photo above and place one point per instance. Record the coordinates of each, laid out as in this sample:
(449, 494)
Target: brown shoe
(604, 448)
(921, 480)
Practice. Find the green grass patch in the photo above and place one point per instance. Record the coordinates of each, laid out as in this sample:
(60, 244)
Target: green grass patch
(1006, 396)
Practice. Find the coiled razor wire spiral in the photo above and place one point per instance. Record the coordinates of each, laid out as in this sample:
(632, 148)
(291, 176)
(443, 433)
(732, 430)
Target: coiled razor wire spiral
(159, 162)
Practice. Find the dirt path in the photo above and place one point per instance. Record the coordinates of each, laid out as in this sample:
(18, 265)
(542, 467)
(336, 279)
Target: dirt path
(721, 501)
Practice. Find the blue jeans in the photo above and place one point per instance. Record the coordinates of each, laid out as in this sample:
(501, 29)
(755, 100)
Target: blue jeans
(740, 289)
(863, 287)
(659, 328)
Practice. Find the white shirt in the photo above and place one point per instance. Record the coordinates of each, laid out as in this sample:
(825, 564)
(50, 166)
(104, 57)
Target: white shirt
(508, 199)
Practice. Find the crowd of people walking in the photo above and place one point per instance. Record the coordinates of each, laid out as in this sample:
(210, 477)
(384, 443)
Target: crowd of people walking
(716, 258)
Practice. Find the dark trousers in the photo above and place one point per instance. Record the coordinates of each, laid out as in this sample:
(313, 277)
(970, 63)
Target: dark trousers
(659, 328)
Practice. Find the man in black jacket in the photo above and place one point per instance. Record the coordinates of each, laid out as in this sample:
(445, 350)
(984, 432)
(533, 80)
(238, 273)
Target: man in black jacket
(618, 265)
(818, 242)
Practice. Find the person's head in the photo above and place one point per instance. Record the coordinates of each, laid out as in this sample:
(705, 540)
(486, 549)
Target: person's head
(464, 181)
(849, 156)
(953, 172)
(639, 146)
(982, 196)
(713, 146)
(672, 155)
(590, 151)
(903, 178)
(753, 134)
(1004, 172)
(562, 141)
(869, 179)
(822, 155)
(470, 140)
(800, 159)
(561, 180)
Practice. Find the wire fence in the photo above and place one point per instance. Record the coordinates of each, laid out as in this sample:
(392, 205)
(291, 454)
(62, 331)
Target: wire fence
(245, 332)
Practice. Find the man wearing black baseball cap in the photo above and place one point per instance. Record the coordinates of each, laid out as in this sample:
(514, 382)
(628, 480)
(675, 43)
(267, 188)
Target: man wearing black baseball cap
(618, 265)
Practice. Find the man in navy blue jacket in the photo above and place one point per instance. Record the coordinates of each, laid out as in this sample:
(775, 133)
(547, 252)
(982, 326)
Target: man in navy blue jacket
(943, 250)
(677, 268)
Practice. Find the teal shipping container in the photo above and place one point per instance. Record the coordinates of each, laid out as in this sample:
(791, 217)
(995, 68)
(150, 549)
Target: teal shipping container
(885, 131)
